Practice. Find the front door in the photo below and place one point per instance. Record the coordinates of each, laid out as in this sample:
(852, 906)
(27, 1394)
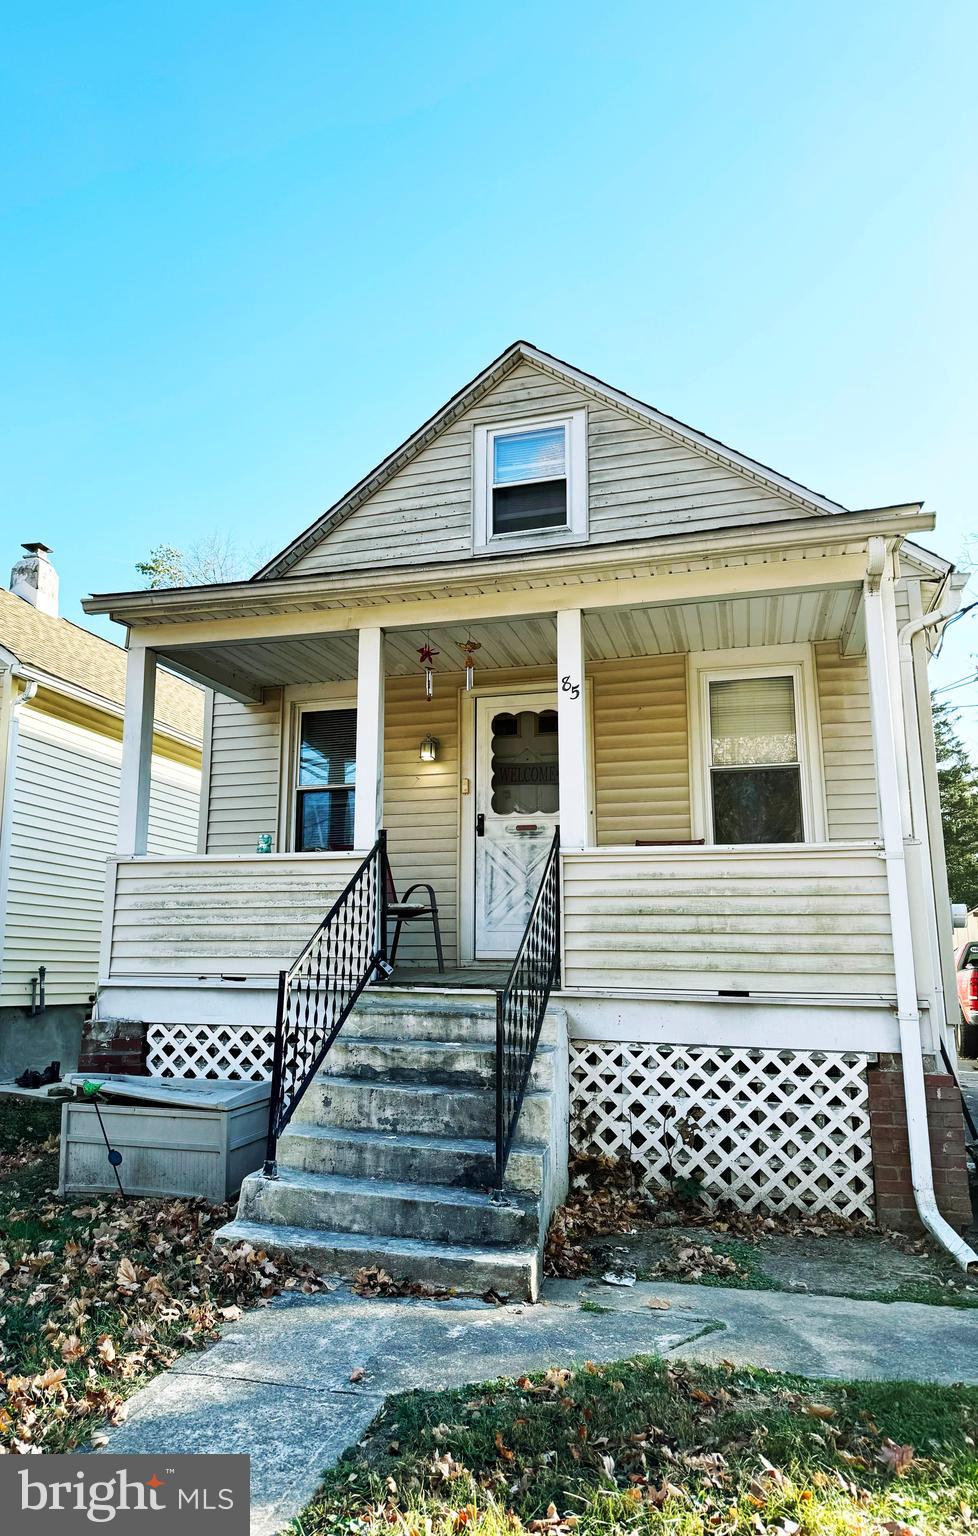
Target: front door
(516, 813)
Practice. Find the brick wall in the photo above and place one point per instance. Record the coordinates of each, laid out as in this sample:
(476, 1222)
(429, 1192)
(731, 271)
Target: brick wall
(113, 1045)
(895, 1205)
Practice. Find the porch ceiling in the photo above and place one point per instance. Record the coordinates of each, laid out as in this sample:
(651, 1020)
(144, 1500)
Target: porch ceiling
(610, 634)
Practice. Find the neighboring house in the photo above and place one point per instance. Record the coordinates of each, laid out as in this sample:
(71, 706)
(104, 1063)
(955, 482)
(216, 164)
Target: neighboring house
(61, 704)
(713, 680)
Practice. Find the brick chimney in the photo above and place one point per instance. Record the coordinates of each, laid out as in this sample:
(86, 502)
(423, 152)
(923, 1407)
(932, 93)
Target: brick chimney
(35, 579)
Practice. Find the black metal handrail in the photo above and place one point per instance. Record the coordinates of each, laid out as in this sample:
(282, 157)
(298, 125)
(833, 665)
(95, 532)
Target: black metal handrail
(521, 1005)
(318, 991)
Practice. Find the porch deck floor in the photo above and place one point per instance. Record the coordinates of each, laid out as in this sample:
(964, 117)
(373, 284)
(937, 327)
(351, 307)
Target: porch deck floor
(452, 978)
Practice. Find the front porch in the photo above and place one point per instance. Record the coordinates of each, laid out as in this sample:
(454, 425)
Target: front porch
(752, 982)
(602, 718)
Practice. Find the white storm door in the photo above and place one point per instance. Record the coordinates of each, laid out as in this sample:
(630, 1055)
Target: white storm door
(516, 813)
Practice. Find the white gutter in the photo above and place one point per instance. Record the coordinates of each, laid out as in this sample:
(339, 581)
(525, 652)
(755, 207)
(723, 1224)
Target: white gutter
(879, 570)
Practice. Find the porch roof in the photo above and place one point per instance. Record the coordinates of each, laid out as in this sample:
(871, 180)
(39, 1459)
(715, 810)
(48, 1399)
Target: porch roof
(846, 532)
(531, 640)
(792, 581)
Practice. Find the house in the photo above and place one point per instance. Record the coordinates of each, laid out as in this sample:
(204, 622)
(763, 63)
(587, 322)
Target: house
(556, 607)
(62, 690)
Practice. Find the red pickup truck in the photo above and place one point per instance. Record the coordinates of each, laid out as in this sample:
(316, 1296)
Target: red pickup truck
(966, 966)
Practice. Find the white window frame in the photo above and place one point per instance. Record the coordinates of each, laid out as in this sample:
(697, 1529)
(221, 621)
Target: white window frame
(794, 661)
(300, 700)
(575, 531)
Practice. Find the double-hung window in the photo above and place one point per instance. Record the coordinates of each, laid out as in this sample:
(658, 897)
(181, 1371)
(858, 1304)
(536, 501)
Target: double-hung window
(755, 767)
(757, 757)
(531, 483)
(325, 784)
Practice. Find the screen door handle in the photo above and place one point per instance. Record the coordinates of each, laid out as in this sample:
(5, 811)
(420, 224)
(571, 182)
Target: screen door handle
(480, 824)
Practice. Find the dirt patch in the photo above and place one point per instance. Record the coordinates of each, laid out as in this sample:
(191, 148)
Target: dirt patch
(613, 1229)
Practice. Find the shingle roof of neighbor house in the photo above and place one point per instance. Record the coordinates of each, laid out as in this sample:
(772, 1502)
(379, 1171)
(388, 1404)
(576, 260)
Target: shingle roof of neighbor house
(74, 655)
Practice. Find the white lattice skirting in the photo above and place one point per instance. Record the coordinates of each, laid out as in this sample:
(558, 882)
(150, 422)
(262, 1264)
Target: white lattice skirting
(773, 1129)
(207, 1050)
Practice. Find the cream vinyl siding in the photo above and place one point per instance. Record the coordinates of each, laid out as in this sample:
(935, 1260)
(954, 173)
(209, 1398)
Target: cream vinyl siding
(803, 922)
(64, 813)
(640, 768)
(641, 772)
(242, 803)
(207, 917)
(421, 804)
(640, 482)
(641, 750)
(847, 744)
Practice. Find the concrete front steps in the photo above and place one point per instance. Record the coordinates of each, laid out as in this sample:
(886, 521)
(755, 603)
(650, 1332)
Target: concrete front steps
(389, 1158)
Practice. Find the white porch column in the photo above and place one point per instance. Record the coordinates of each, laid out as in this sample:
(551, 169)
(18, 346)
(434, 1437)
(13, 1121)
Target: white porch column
(572, 737)
(368, 807)
(881, 659)
(137, 751)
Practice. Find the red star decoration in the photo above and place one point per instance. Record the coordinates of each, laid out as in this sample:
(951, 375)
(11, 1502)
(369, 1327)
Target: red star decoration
(154, 1481)
(426, 654)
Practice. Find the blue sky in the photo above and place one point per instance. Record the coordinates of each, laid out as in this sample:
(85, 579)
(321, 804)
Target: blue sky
(245, 249)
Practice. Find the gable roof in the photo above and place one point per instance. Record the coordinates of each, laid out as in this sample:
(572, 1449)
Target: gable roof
(72, 655)
(524, 352)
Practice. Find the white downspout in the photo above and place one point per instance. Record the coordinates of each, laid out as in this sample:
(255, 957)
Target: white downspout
(885, 735)
(916, 702)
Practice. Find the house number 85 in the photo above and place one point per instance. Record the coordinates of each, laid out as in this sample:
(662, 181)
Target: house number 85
(574, 689)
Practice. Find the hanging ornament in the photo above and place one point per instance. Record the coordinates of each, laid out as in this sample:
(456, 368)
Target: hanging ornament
(426, 657)
(467, 647)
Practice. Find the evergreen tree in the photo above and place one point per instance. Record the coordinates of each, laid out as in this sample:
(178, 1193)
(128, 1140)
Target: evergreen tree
(958, 778)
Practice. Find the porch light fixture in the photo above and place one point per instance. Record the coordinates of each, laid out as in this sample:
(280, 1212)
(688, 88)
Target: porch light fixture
(428, 750)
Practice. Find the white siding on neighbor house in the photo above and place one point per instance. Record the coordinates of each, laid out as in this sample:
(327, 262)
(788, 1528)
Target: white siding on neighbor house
(63, 828)
(847, 744)
(806, 921)
(640, 482)
(246, 742)
(203, 917)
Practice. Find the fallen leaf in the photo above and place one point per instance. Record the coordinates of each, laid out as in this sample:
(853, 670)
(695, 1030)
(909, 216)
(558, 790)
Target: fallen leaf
(658, 1304)
(895, 1458)
(358, 1373)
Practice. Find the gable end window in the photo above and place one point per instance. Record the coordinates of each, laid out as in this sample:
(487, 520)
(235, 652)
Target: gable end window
(531, 483)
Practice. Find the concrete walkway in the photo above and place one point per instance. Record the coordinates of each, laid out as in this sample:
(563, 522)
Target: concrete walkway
(277, 1385)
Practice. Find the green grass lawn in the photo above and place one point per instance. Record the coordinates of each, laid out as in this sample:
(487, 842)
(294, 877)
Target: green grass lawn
(646, 1446)
(97, 1295)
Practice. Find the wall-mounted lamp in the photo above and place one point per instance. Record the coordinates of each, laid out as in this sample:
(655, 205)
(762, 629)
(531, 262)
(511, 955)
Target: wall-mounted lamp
(428, 750)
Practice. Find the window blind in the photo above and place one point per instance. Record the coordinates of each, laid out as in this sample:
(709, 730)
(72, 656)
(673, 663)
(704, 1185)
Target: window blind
(537, 455)
(328, 747)
(752, 721)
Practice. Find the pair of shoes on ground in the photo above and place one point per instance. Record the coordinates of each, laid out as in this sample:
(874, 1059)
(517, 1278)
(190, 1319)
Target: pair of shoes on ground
(31, 1078)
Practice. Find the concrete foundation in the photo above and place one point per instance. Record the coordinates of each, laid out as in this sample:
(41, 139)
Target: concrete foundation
(28, 1040)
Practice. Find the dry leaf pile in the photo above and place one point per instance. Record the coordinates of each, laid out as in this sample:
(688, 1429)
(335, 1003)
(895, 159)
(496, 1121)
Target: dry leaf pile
(603, 1201)
(112, 1297)
(608, 1197)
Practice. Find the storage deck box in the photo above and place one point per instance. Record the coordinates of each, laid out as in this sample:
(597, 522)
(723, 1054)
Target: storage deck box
(177, 1136)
